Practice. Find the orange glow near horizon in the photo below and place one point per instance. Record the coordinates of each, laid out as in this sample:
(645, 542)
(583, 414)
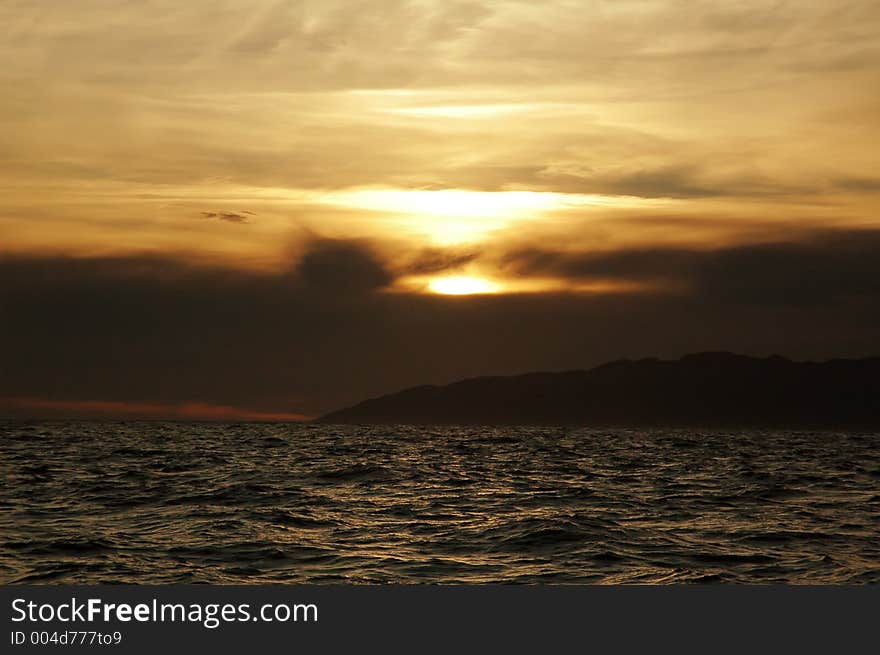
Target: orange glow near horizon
(113, 408)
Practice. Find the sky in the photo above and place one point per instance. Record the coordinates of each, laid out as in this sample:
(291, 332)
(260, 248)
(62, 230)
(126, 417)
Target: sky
(255, 209)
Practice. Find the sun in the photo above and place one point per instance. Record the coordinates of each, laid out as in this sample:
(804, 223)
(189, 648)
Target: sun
(461, 286)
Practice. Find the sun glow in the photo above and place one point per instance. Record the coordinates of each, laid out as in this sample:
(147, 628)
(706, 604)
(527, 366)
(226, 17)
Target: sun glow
(450, 216)
(461, 286)
(449, 202)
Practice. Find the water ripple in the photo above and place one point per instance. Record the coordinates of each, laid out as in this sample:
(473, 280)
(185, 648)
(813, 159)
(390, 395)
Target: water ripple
(157, 502)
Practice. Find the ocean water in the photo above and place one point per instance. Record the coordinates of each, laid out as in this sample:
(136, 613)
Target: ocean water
(154, 502)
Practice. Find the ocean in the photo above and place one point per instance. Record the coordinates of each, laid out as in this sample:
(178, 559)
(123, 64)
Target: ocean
(248, 503)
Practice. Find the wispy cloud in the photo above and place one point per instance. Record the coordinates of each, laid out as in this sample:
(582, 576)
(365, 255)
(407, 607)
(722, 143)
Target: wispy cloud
(229, 217)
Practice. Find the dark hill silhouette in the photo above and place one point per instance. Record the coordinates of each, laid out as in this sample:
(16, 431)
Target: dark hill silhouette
(709, 389)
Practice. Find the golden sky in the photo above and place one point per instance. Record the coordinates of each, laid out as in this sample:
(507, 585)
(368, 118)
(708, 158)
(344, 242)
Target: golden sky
(233, 131)
(494, 147)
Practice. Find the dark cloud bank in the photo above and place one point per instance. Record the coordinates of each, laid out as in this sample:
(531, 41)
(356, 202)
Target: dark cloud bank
(326, 332)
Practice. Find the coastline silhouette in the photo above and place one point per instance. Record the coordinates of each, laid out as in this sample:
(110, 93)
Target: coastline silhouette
(709, 389)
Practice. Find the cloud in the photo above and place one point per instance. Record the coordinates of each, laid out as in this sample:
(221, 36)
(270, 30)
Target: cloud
(229, 217)
(671, 180)
(437, 260)
(675, 181)
(863, 184)
(813, 268)
(174, 108)
(325, 332)
(339, 267)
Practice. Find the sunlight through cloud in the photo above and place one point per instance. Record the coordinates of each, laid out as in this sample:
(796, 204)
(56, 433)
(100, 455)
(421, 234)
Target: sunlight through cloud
(449, 216)
(461, 286)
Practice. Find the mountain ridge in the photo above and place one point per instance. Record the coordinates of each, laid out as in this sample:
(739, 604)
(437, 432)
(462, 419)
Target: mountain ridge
(714, 388)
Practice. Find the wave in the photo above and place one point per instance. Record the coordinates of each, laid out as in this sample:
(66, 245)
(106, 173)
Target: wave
(157, 502)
